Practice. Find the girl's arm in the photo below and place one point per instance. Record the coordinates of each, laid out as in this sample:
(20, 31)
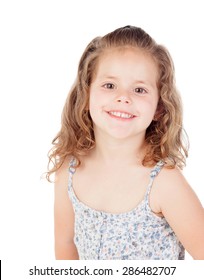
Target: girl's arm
(65, 248)
(183, 211)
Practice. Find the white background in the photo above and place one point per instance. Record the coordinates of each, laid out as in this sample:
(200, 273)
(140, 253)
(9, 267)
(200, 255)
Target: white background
(41, 43)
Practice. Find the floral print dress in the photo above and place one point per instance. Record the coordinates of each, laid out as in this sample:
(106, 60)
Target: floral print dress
(135, 235)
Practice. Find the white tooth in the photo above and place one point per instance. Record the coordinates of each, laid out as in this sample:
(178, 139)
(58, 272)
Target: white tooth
(121, 115)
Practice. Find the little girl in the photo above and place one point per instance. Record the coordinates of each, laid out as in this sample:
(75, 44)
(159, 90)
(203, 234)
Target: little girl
(119, 191)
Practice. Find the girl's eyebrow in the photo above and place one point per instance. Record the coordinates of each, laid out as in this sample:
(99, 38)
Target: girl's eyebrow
(108, 77)
(145, 83)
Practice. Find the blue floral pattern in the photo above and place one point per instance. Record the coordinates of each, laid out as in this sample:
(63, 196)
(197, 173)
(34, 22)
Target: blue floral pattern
(135, 235)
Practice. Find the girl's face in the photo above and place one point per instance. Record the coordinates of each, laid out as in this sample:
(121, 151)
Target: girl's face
(123, 94)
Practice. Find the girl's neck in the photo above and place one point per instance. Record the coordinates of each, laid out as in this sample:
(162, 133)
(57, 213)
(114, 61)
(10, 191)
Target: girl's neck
(119, 151)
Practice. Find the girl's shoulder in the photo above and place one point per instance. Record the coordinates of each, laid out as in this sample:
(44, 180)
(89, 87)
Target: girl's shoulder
(62, 174)
(169, 183)
(171, 178)
(171, 173)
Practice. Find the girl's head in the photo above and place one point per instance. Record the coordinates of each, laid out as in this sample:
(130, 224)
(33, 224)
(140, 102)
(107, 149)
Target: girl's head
(163, 137)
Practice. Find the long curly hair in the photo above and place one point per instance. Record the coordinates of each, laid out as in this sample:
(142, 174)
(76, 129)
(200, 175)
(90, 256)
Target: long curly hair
(165, 137)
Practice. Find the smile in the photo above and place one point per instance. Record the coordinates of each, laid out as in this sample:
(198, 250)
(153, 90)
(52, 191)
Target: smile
(122, 115)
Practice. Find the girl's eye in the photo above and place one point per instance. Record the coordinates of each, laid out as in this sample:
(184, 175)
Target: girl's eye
(109, 86)
(140, 90)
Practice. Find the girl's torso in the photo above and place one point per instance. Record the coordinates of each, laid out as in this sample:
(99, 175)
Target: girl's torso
(112, 189)
(115, 220)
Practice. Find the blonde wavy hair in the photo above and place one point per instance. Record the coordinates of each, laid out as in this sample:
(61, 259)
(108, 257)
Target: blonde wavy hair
(165, 135)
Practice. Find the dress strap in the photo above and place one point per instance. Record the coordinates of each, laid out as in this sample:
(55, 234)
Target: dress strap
(71, 171)
(72, 163)
(154, 172)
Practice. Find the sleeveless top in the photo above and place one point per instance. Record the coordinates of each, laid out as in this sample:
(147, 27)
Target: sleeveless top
(138, 234)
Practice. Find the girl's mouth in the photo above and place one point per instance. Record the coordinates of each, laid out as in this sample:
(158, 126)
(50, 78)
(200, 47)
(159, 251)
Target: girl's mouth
(121, 115)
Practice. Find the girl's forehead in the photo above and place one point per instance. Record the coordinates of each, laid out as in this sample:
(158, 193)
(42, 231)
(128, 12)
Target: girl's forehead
(132, 56)
(122, 50)
(117, 52)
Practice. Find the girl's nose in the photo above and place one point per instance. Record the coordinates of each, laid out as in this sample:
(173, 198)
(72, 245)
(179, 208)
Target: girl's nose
(123, 99)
